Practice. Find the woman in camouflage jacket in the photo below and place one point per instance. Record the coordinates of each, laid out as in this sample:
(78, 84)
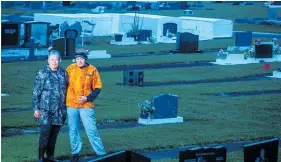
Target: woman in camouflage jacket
(49, 93)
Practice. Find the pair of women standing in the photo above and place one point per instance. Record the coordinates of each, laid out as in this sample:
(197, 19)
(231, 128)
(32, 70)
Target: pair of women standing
(58, 93)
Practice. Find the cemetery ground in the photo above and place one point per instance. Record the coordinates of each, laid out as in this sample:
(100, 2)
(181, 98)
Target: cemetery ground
(209, 119)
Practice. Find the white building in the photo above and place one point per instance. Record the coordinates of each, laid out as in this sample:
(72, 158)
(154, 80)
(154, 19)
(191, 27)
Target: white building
(105, 24)
(159, 25)
(207, 28)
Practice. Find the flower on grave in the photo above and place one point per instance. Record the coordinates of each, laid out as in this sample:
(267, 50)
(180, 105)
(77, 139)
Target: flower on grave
(276, 47)
(221, 54)
(249, 53)
(257, 42)
(146, 106)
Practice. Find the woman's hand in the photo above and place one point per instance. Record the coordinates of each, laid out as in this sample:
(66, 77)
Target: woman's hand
(36, 114)
(82, 99)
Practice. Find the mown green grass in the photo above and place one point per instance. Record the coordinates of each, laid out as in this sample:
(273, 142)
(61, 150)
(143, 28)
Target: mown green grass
(123, 98)
(213, 119)
(193, 133)
(26, 71)
(120, 102)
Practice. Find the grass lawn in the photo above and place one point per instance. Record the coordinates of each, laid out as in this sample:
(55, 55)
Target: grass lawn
(250, 118)
(213, 119)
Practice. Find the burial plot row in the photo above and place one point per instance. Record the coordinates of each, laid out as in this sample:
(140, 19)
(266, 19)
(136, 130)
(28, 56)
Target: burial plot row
(263, 151)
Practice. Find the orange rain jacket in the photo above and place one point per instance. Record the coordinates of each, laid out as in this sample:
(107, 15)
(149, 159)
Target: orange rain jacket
(82, 81)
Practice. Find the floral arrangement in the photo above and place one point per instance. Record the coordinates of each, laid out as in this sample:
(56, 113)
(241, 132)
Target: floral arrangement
(221, 54)
(249, 53)
(146, 106)
(276, 47)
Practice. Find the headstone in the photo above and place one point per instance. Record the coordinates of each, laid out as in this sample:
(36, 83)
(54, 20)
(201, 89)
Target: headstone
(187, 42)
(70, 33)
(272, 13)
(205, 154)
(63, 27)
(133, 77)
(166, 106)
(39, 31)
(78, 27)
(243, 38)
(59, 45)
(144, 34)
(10, 34)
(263, 50)
(263, 151)
(123, 156)
(66, 47)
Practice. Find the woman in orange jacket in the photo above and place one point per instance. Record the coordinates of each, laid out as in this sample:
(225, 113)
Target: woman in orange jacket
(83, 88)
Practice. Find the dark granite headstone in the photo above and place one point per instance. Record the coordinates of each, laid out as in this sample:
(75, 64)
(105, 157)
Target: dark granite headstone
(70, 33)
(263, 51)
(166, 106)
(263, 151)
(203, 154)
(187, 42)
(10, 34)
(144, 34)
(66, 47)
(243, 38)
(123, 156)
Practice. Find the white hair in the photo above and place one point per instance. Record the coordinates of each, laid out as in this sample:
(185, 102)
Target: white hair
(54, 52)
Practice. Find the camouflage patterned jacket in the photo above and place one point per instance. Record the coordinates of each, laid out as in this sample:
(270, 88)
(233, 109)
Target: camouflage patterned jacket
(48, 95)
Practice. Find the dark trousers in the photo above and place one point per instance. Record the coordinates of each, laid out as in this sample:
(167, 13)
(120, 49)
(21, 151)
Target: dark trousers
(48, 138)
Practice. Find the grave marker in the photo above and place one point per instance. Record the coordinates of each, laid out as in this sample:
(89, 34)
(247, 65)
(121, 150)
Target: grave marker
(204, 154)
(166, 106)
(263, 151)
(243, 38)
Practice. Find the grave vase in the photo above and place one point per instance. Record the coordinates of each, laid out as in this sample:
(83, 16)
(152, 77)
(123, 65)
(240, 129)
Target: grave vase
(144, 115)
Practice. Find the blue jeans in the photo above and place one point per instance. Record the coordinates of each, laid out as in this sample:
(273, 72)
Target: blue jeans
(88, 118)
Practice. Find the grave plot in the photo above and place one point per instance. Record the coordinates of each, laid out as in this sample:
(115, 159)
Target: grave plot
(160, 110)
